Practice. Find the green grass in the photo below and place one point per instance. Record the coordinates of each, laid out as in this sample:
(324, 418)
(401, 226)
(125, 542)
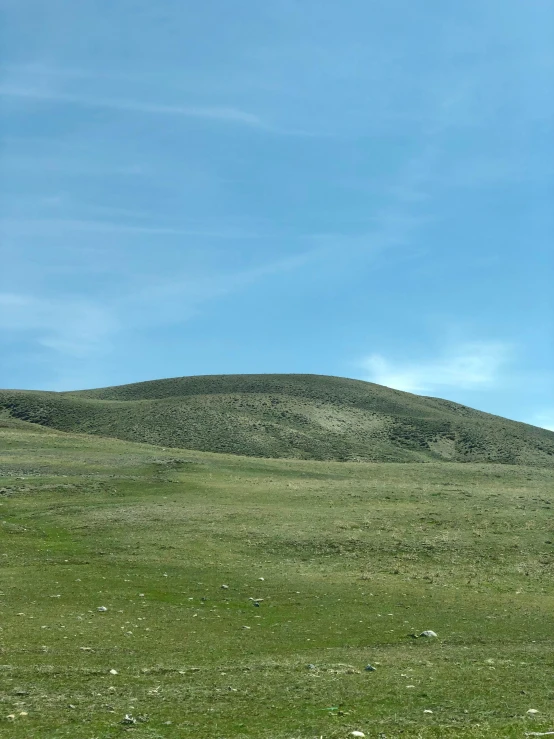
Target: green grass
(288, 416)
(355, 557)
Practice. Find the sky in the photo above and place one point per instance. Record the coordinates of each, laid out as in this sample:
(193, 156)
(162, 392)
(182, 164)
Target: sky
(362, 189)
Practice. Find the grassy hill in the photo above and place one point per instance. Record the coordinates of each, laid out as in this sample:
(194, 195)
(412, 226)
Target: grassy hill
(290, 416)
(114, 555)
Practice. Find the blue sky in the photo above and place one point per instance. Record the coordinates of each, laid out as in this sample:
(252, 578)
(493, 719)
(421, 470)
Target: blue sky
(361, 189)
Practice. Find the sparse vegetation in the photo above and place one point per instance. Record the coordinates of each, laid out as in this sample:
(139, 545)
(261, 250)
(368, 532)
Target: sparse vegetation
(288, 416)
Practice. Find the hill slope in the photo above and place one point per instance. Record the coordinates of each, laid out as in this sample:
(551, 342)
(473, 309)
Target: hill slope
(297, 416)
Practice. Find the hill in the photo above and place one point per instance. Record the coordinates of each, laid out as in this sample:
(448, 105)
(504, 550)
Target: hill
(287, 416)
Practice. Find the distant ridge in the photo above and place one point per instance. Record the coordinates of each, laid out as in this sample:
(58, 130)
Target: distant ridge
(295, 416)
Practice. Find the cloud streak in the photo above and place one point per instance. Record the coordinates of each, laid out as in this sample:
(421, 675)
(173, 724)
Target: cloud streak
(41, 225)
(470, 366)
(178, 299)
(82, 329)
(217, 113)
(70, 326)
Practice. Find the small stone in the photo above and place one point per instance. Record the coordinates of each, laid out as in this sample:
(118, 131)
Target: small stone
(102, 609)
(225, 587)
(430, 634)
(427, 710)
(261, 578)
(311, 667)
(114, 672)
(246, 627)
(128, 719)
(357, 733)
(23, 713)
(369, 668)
(72, 706)
(11, 716)
(532, 712)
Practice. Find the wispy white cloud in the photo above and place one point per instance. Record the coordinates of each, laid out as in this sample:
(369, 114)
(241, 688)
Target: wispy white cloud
(67, 162)
(476, 365)
(69, 326)
(82, 329)
(178, 298)
(60, 225)
(544, 419)
(222, 114)
(218, 113)
(35, 70)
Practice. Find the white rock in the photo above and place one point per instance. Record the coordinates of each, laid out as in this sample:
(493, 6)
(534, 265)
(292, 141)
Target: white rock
(428, 633)
(532, 711)
(427, 710)
(102, 609)
(357, 733)
(113, 672)
(261, 578)
(225, 587)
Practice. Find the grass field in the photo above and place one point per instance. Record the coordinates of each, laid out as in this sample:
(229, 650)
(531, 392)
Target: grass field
(354, 558)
